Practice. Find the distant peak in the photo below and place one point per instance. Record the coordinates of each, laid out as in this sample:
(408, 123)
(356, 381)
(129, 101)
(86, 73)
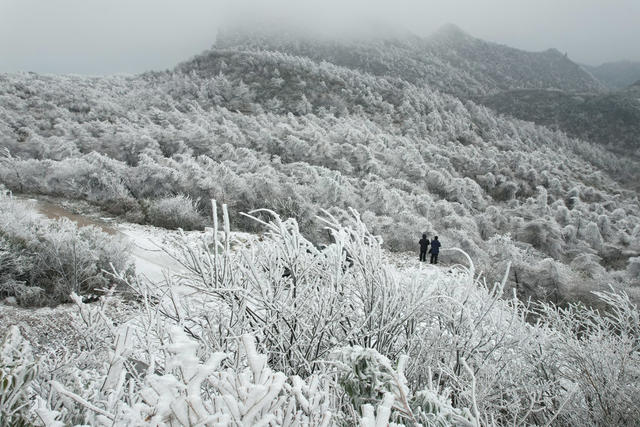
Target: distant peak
(554, 51)
(450, 33)
(450, 30)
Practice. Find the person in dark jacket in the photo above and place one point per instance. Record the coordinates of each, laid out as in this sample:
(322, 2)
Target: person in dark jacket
(424, 244)
(435, 250)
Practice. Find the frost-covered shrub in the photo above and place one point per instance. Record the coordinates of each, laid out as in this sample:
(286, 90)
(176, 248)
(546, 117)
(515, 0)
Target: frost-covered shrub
(598, 355)
(71, 259)
(177, 211)
(543, 235)
(369, 380)
(573, 198)
(592, 236)
(22, 293)
(401, 235)
(282, 332)
(17, 370)
(604, 225)
(505, 191)
(618, 214)
(588, 264)
(45, 260)
(15, 265)
(562, 215)
(182, 385)
(569, 233)
(486, 181)
(438, 183)
(633, 269)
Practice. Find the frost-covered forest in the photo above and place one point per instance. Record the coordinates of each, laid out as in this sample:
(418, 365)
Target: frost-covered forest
(264, 129)
(450, 60)
(543, 87)
(611, 119)
(348, 158)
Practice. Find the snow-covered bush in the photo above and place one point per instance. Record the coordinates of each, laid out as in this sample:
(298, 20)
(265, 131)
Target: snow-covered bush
(173, 212)
(183, 384)
(17, 370)
(592, 236)
(44, 261)
(543, 235)
(633, 269)
(597, 358)
(370, 381)
(14, 267)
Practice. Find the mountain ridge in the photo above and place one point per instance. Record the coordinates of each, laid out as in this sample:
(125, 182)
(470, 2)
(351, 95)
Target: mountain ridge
(616, 75)
(469, 68)
(448, 60)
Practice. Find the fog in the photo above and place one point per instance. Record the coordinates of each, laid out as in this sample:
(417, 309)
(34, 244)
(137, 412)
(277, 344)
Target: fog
(128, 36)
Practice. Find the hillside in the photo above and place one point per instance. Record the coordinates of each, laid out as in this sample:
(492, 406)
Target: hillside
(501, 67)
(616, 75)
(266, 129)
(449, 60)
(612, 119)
(469, 68)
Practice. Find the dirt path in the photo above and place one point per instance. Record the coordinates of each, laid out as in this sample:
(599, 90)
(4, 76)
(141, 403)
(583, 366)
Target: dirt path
(150, 261)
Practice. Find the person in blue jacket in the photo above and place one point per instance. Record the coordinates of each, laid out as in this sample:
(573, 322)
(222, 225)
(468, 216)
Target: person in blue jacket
(435, 250)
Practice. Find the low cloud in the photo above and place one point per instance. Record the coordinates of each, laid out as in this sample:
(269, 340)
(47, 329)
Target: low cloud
(101, 37)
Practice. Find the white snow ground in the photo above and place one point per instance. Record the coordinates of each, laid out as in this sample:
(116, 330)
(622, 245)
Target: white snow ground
(151, 261)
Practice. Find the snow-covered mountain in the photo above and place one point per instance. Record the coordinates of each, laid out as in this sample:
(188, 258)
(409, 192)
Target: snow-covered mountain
(449, 60)
(310, 321)
(544, 87)
(257, 127)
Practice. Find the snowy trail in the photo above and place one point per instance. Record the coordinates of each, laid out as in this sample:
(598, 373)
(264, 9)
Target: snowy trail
(150, 260)
(153, 263)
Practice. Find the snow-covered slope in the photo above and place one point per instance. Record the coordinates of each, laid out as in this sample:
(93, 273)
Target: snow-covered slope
(449, 60)
(280, 331)
(256, 128)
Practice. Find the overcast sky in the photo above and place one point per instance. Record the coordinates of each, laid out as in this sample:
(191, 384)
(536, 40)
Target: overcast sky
(126, 36)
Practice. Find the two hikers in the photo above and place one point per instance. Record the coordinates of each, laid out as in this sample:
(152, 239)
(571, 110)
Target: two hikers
(434, 251)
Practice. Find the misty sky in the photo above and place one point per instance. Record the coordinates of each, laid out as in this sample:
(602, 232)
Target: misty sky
(126, 36)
